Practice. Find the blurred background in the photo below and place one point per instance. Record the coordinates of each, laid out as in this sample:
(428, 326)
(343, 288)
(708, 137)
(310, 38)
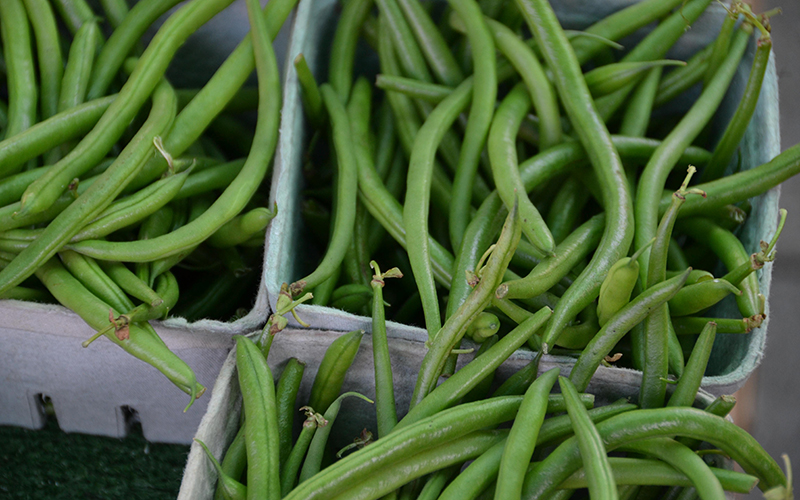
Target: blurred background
(769, 404)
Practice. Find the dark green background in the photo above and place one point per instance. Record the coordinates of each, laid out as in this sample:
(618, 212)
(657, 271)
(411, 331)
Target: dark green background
(49, 463)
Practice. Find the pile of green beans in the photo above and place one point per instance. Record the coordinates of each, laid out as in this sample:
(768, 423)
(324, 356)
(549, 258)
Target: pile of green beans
(121, 197)
(573, 121)
(454, 443)
(515, 223)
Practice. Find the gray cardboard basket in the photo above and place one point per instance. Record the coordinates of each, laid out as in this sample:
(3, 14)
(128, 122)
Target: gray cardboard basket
(99, 390)
(734, 357)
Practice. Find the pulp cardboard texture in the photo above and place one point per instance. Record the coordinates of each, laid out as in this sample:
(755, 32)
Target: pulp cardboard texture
(98, 390)
(734, 356)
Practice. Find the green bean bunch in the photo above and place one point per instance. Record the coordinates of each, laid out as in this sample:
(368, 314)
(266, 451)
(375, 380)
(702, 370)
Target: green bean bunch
(123, 198)
(574, 233)
(410, 144)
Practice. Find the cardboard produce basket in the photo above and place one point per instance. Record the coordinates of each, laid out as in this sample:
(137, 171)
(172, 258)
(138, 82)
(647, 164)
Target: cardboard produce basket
(734, 357)
(101, 389)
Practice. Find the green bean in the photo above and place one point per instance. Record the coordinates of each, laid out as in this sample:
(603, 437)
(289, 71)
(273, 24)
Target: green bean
(721, 407)
(438, 429)
(742, 185)
(688, 384)
(621, 24)
(617, 287)
(594, 136)
(323, 292)
(437, 481)
(89, 273)
(459, 384)
(550, 270)
(700, 296)
(261, 424)
(385, 145)
(415, 209)
(477, 476)
(645, 471)
(48, 54)
(654, 423)
(166, 287)
(541, 92)
(129, 282)
(98, 195)
(346, 186)
(21, 81)
(330, 375)
(231, 488)
(215, 177)
(115, 11)
(683, 459)
(309, 92)
(431, 92)
(729, 142)
(285, 396)
(74, 13)
(78, 70)
(42, 192)
(132, 209)
(484, 95)
(483, 389)
(593, 453)
(122, 40)
(656, 329)
(664, 158)
(721, 44)
(384, 385)
(637, 113)
(26, 294)
(477, 239)
(503, 157)
(456, 325)
(691, 325)
(653, 46)
(619, 324)
(313, 461)
(235, 196)
(612, 77)
(484, 327)
(455, 452)
(675, 359)
(16, 150)
(405, 116)
(353, 293)
(681, 79)
(343, 46)
(433, 46)
(295, 459)
(242, 227)
(224, 85)
(409, 53)
(143, 342)
(234, 461)
(3, 114)
(566, 208)
(522, 437)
